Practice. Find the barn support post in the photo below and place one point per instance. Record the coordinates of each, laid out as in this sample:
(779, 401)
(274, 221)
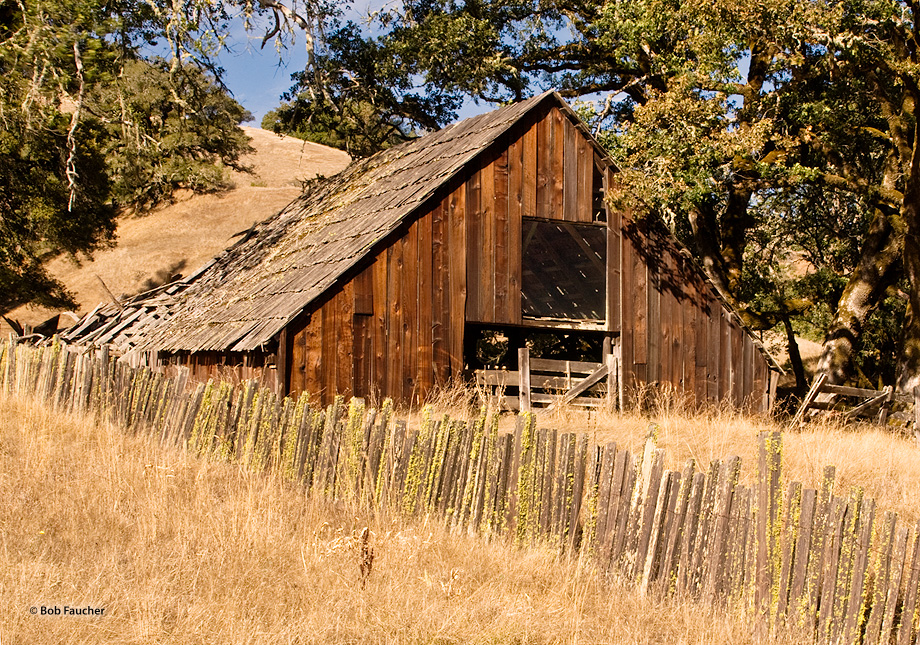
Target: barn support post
(524, 379)
(611, 361)
(282, 364)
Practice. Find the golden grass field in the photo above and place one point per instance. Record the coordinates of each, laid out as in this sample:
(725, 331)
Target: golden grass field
(181, 550)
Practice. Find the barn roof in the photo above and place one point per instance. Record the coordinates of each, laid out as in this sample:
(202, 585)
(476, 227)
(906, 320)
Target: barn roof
(252, 290)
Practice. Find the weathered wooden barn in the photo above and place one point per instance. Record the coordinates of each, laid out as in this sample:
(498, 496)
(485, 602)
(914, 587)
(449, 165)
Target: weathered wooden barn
(387, 277)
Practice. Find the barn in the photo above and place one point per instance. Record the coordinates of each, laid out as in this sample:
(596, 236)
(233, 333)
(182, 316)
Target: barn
(445, 255)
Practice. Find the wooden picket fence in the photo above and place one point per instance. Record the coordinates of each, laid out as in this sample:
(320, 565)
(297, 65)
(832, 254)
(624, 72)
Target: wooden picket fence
(825, 562)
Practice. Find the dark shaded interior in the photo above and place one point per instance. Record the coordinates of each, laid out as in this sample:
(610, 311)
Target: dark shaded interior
(563, 270)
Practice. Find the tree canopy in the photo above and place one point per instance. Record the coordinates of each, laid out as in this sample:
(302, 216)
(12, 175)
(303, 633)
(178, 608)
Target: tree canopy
(778, 140)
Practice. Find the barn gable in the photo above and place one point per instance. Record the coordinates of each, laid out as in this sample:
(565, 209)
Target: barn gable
(385, 273)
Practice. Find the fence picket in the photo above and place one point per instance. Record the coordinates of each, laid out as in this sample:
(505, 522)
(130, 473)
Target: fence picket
(856, 604)
(908, 611)
(787, 549)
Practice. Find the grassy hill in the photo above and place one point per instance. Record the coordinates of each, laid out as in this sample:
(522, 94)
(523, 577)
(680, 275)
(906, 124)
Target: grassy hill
(179, 237)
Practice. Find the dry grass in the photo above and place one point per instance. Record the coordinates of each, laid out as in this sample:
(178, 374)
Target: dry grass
(184, 551)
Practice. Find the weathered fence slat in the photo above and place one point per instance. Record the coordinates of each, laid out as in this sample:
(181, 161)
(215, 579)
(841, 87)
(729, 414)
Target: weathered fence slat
(908, 611)
(894, 586)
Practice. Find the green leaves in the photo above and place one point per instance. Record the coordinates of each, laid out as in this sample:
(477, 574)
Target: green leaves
(167, 129)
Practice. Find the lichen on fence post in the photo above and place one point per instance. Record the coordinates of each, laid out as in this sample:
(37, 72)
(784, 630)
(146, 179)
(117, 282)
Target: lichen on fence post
(525, 481)
(294, 437)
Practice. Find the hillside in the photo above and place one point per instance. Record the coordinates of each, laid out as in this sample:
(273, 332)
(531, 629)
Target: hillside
(179, 237)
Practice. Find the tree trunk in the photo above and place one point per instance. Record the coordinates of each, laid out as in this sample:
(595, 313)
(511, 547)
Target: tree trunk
(876, 270)
(795, 357)
(909, 368)
(707, 239)
(736, 222)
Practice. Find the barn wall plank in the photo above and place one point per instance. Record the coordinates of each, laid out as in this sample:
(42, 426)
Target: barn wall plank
(457, 250)
(584, 198)
(345, 363)
(530, 170)
(474, 251)
(544, 157)
(440, 293)
(425, 318)
(486, 276)
(410, 309)
(569, 171)
(515, 224)
(502, 258)
(614, 259)
(395, 338)
(381, 323)
(640, 311)
(557, 172)
(627, 314)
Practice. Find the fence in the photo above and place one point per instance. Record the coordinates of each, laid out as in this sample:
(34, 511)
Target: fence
(813, 558)
(549, 383)
(872, 404)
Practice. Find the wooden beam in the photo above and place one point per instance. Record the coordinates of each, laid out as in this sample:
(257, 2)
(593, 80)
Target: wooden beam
(524, 378)
(871, 403)
(581, 386)
(809, 398)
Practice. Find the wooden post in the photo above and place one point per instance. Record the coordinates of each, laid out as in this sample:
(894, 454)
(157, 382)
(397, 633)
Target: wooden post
(524, 379)
(282, 367)
(621, 388)
(917, 413)
(613, 375)
(886, 404)
(809, 399)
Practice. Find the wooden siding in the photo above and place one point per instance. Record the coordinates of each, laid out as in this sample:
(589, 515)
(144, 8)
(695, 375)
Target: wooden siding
(224, 366)
(544, 168)
(676, 331)
(395, 329)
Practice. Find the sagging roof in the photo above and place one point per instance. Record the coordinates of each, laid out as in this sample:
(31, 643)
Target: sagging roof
(250, 292)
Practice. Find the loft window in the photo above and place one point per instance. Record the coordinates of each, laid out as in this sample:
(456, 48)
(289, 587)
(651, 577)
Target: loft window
(564, 271)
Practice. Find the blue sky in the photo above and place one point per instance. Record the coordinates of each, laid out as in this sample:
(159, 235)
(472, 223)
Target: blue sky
(257, 77)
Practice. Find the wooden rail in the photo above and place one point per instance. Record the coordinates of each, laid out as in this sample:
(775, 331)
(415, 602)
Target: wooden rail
(548, 383)
(874, 404)
(824, 560)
